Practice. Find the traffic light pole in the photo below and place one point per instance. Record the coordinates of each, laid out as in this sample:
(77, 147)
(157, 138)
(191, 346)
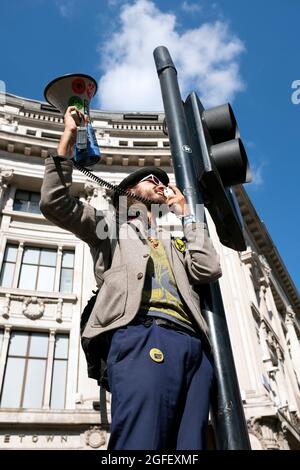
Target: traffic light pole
(227, 412)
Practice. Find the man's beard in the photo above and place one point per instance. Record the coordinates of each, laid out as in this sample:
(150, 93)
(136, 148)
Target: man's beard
(157, 205)
(152, 196)
(159, 209)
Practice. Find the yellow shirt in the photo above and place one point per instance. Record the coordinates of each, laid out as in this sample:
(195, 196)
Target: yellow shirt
(160, 294)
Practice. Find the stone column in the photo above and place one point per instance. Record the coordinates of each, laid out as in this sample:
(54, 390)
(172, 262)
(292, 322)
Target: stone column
(262, 301)
(49, 370)
(11, 196)
(273, 374)
(281, 380)
(264, 345)
(58, 269)
(293, 340)
(4, 351)
(18, 265)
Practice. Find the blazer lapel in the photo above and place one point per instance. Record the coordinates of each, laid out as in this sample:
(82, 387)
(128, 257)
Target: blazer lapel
(166, 241)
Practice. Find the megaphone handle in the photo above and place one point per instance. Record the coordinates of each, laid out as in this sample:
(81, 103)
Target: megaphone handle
(76, 118)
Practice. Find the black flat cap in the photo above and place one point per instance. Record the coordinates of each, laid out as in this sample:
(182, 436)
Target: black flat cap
(135, 177)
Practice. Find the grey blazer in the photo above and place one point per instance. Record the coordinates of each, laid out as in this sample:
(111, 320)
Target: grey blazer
(120, 272)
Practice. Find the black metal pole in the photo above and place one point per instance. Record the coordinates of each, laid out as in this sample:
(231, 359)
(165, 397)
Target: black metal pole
(227, 410)
(178, 132)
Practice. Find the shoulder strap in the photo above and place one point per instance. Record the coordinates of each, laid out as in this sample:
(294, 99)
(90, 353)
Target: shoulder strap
(113, 244)
(114, 237)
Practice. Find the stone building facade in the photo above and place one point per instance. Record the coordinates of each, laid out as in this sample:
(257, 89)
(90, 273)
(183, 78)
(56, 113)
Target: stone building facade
(46, 278)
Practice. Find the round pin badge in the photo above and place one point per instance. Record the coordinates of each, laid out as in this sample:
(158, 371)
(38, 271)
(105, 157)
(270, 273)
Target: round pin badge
(156, 355)
(180, 245)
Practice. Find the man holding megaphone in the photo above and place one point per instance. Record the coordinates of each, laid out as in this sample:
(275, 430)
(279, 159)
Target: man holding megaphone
(145, 322)
(72, 119)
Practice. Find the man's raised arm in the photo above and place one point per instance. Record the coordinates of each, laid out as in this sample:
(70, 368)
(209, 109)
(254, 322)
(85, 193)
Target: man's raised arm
(57, 205)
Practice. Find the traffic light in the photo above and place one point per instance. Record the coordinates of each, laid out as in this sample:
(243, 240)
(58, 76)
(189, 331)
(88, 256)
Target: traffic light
(220, 162)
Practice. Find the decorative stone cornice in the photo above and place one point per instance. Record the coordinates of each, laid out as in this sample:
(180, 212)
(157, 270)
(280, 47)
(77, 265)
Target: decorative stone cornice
(259, 266)
(272, 372)
(268, 430)
(289, 315)
(271, 338)
(107, 194)
(254, 427)
(90, 190)
(5, 176)
(33, 308)
(265, 265)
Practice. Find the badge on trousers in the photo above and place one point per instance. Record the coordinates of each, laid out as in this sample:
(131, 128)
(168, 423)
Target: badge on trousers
(156, 355)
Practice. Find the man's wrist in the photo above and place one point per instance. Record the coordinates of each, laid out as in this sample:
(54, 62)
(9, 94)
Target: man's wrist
(187, 219)
(66, 142)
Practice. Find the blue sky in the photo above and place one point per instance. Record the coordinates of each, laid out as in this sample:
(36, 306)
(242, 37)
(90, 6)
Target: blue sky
(245, 52)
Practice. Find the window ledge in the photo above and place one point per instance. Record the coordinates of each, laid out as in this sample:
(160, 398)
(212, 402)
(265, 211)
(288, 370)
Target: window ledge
(40, 294)
(23, 215)
(43, 416)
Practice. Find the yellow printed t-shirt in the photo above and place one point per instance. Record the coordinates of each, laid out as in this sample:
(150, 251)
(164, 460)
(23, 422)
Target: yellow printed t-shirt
(160, 297)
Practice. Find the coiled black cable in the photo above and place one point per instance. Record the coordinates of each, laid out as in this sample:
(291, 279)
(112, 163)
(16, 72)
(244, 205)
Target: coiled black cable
(115, 188)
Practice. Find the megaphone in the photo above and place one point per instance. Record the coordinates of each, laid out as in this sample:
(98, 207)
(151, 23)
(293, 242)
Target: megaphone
(77, 90)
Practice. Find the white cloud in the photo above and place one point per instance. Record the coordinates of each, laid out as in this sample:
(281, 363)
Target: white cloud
(191, 7)
(206, 59)
(65, 8)
(113, 3)
(257, 175)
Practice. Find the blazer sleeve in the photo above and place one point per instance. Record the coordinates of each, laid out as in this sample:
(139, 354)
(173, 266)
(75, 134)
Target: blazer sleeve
(59, 207)
(202, 261)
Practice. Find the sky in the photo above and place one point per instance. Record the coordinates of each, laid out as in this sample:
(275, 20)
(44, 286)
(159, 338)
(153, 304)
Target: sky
(242, 52)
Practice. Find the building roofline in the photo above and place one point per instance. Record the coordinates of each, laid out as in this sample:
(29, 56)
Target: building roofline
(266, 246)
(39, 105)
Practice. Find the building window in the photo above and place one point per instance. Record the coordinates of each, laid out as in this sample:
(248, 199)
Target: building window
(25, 372)
(8, 266)
(39, 269)
(30, 132)
(145, 143)
(50, 135)
(27, 201)
(59, 373)
(66, 272)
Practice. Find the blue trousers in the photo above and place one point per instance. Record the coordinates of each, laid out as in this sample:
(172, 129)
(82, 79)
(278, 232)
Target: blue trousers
(158, 405)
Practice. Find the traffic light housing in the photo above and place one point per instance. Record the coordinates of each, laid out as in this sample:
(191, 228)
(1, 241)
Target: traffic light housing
(220, 161)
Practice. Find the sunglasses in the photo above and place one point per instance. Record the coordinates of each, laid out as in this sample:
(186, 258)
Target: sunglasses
(153, 179)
